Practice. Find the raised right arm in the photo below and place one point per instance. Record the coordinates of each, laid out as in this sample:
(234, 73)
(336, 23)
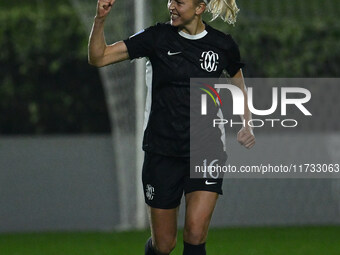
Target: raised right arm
(99, 53)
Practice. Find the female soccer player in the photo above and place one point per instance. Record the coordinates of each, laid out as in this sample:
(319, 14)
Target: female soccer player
(176, 52)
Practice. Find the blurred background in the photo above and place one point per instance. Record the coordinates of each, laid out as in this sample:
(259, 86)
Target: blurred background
(70, 134)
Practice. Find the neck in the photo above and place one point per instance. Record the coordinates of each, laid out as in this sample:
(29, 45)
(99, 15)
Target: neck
(195, 27)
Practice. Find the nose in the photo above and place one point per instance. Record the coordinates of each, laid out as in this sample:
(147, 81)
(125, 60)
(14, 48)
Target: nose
(170, 5)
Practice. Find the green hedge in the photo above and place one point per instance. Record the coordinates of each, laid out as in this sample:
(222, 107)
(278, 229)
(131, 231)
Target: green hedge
(46, 84)
(289, 48)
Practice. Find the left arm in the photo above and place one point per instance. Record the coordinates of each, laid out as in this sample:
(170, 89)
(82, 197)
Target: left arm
(245, 136)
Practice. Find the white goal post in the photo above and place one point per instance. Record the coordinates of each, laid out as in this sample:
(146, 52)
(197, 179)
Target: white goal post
(124, 88)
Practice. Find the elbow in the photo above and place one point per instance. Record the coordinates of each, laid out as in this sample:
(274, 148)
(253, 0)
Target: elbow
(91, 62)
(94, 62)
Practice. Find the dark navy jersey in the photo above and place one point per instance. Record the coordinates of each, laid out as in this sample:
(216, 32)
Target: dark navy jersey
(173, 58)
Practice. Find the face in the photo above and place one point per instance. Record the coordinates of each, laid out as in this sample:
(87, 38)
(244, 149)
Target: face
(182, 12)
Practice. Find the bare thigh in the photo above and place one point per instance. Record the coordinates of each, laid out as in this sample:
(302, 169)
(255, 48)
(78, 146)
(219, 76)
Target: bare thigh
(163, 224)
(199, 209)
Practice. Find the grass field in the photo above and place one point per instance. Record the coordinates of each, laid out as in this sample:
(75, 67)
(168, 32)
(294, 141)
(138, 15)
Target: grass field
(229, 241)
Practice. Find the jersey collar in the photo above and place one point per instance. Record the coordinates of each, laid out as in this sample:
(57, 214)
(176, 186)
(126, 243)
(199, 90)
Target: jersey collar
(193, 37)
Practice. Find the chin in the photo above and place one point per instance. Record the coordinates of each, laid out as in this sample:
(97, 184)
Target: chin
(175, 23)
(172, 23)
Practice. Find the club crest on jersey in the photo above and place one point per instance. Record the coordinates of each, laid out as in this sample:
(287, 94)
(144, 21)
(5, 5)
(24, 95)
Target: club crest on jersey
(209, 61)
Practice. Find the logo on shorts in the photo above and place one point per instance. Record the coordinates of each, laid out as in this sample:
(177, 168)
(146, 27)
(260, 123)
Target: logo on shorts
(149, 192)
(209, 61)
(210, 183)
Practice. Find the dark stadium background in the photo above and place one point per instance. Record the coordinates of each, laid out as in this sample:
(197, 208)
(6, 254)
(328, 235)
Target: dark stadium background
(53, 115)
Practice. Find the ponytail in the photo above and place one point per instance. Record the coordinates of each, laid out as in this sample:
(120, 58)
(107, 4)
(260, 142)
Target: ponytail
(225, 9)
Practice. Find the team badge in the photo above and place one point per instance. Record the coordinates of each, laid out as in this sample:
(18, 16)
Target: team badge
(209, 61)
(149, 192)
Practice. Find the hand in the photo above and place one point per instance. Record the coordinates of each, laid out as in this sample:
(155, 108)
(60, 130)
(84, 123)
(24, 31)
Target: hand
(246, 137)
(104, 7)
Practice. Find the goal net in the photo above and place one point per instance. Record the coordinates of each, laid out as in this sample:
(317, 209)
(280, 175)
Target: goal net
(124, 90)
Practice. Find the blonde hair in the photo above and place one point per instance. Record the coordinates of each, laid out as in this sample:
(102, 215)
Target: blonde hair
(225, 9)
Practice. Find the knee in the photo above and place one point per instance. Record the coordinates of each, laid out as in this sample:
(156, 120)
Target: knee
(194, 235)
(164, 245)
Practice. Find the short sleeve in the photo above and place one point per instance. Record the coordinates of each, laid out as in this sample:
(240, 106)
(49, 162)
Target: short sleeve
(142, 43)
(234, 58)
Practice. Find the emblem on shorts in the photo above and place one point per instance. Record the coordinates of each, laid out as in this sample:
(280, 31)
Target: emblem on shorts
(209, 61)
(149, 192)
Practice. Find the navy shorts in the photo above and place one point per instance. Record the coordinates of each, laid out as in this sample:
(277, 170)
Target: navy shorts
(166, 178)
